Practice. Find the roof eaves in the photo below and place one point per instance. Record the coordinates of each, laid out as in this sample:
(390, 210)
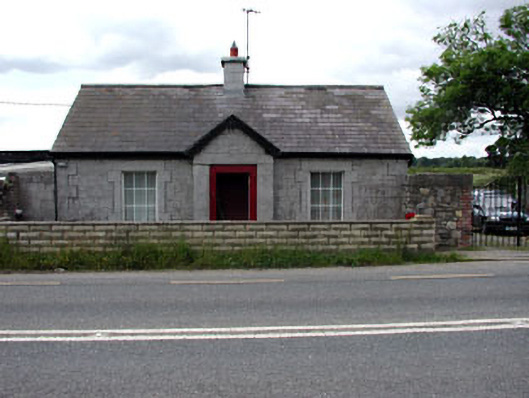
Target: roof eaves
(357, 155)
(119, 155)
(24, 156)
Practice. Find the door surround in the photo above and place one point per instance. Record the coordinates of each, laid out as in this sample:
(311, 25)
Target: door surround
(251, 170)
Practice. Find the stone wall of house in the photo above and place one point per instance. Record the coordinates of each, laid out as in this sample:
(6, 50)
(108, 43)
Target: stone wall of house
(417, 234)
(372, 188)
(91, 190)
(448, 199)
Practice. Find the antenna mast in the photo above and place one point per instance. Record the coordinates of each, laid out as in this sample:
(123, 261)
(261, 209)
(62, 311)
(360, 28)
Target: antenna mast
(248, 11)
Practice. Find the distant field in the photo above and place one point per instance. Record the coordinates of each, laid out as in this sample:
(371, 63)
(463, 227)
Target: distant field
(482, 175)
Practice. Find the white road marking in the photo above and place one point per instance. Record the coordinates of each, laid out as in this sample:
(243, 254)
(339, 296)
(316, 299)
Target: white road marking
(30, 283)
(260, 332)
(228, 282)
(441, 276)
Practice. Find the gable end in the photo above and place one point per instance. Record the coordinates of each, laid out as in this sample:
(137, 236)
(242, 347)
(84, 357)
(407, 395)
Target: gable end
(232, 123)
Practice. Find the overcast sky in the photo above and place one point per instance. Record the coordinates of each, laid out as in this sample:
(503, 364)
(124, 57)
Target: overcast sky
(49, 48)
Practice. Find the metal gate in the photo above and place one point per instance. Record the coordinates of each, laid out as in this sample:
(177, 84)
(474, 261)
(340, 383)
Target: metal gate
(500, 213)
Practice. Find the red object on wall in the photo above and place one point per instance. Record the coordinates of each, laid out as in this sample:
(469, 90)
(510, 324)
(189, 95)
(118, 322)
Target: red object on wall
(223, 193)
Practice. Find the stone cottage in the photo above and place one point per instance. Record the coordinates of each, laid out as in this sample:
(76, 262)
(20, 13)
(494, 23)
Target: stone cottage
(230, 152)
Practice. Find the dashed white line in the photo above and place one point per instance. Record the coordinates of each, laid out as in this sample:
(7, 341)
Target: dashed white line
(30, 283)
(227, 282)
(441, 276)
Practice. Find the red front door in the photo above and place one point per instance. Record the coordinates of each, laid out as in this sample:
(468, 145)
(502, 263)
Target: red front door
(233, 192)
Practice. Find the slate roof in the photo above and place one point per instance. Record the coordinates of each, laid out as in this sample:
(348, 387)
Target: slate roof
(294, 119)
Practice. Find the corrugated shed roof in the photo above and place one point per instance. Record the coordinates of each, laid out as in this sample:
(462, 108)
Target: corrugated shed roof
(295, 119)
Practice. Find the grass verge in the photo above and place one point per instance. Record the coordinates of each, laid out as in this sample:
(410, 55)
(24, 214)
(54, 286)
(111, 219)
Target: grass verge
(180, 256)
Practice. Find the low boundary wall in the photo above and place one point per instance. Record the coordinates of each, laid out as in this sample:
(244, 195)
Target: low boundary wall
(415, 234)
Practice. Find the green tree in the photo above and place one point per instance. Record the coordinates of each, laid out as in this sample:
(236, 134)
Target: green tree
(479, 85)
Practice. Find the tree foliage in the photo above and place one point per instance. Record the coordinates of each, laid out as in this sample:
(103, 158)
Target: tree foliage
(464, 161)
(479, 84)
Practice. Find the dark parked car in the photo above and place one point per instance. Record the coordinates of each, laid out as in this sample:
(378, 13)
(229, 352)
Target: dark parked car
(501, 220)
(478, 217)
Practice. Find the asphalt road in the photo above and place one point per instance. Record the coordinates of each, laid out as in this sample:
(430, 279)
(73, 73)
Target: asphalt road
(457, 330)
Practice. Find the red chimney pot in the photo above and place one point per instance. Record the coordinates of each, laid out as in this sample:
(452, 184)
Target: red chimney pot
(234, 50)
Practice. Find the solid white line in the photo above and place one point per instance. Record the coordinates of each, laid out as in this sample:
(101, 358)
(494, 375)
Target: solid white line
(103, 338)
(441, 276)
(273, 332)
(243, 329)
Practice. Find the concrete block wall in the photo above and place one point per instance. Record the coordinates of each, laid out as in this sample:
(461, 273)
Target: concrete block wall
(448, 199)
(9, 196)
(418, 234)
(37, 196)
(30, 189)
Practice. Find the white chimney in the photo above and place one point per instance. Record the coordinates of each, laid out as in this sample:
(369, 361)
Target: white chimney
(234, 67)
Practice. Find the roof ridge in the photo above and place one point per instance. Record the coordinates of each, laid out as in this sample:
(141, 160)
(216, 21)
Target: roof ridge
(359, 86)
(135, 85)
(286, 86)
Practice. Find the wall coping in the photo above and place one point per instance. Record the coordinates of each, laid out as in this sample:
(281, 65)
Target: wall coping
(416, 219)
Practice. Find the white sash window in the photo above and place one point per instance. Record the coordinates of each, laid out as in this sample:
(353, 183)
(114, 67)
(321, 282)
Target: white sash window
(326, 196)
(139, 196)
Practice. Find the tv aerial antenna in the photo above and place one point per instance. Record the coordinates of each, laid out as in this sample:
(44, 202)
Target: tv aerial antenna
(248, 11)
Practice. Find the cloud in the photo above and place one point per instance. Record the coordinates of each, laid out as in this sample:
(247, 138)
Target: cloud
(390, 58)
(458, 8)
(149, 46)
(31, 65)
(29, 127)
(151, 62)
